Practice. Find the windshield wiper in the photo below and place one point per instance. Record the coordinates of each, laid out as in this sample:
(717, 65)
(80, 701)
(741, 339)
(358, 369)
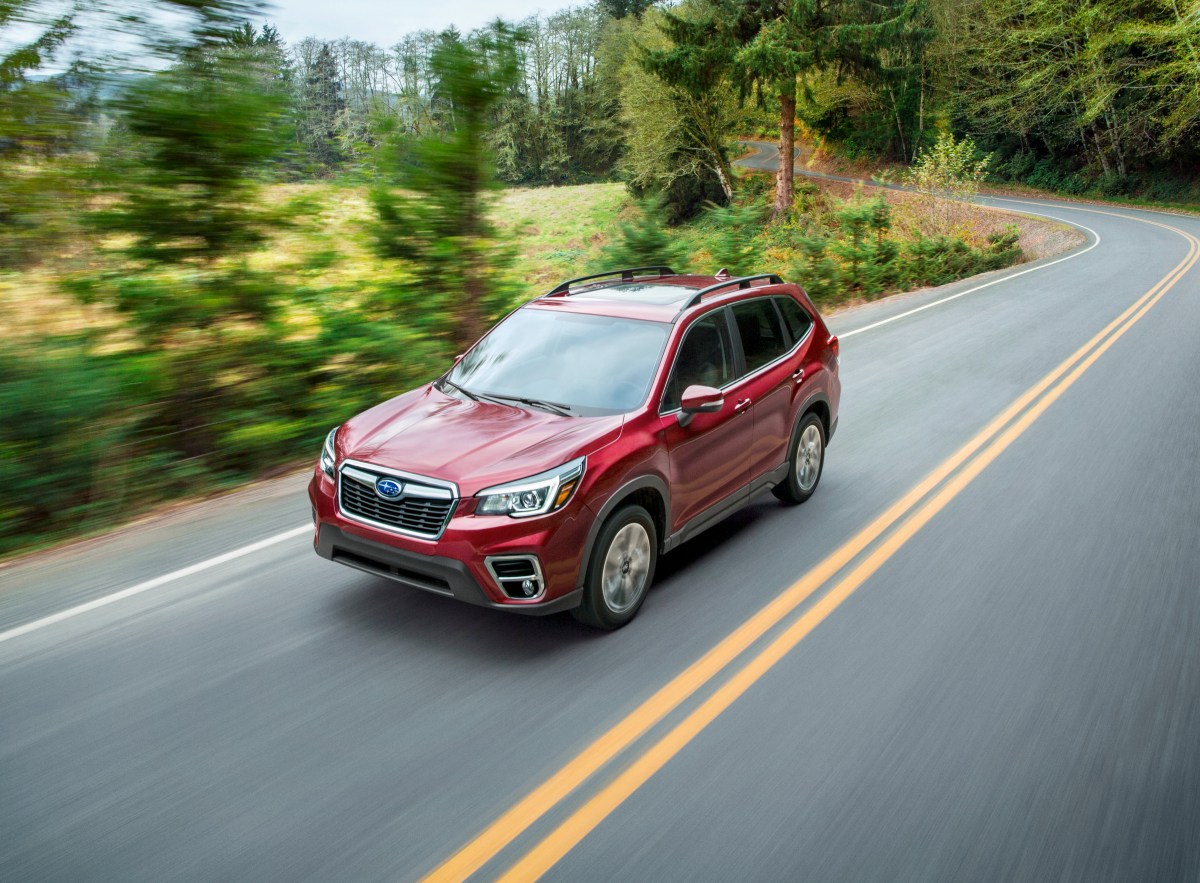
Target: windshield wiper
(462, 389)
(552, 407)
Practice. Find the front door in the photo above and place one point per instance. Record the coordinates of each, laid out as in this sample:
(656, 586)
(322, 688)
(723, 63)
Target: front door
(709, 456)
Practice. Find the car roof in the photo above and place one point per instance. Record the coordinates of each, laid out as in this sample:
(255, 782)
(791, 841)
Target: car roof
(657, 298)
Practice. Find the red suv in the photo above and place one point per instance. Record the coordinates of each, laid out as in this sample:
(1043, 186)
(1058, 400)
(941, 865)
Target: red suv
(591, 430)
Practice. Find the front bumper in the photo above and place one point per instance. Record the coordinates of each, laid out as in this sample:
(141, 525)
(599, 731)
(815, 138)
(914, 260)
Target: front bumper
(454, 565)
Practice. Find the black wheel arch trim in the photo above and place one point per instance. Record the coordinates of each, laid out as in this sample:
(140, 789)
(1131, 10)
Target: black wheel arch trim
(615, 500)
(816, 398)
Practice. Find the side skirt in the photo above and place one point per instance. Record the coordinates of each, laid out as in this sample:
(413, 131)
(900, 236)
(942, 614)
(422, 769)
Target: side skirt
(718, 512)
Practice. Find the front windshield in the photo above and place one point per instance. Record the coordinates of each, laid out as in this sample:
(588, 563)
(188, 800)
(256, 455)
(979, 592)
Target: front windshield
(591, 364)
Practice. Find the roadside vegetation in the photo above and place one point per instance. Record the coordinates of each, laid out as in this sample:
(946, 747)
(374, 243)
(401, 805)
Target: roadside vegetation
(216, 244)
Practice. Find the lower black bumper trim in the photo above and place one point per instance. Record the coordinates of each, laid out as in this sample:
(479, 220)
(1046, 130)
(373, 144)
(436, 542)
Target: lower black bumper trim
(429, 573)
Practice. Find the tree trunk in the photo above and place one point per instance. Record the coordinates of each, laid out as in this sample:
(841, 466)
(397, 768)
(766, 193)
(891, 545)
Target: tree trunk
(1100, 150)
(920, 119)
(723, 177)
(1116, 143)
(469, 326)
(787, 147)
(899, 123)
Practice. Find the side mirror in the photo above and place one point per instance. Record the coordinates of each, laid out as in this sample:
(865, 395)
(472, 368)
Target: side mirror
(699, 400)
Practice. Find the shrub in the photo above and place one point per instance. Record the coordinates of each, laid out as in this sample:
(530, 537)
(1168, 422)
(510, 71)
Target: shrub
(732, 234)
(644, 242)
(949, 170)
(62, 439)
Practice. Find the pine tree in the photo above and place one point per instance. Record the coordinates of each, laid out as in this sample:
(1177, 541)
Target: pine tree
(321, 104)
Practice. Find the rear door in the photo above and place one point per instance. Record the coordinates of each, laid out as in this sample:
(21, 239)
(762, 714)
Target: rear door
(768, 358)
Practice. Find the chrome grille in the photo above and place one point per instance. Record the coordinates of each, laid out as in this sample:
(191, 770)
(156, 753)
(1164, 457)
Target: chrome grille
(421, 509)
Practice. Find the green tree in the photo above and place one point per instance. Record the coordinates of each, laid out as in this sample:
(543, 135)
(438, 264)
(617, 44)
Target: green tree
(618, 9)
(948, 170)
(1058, 87)
(771, 46)
(676, 139)
(321, 103)
(431, 200)
(644, 242)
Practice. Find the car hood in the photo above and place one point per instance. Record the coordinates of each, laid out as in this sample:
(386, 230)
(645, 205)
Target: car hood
(473, 444)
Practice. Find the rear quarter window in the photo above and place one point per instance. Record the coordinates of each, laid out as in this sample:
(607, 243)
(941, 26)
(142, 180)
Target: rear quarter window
(762, 336)
(795, 317)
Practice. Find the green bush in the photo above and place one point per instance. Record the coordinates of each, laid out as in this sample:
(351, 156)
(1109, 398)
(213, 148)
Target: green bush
(644, 242)
(817, 271)
(64, 437)
(731, 237)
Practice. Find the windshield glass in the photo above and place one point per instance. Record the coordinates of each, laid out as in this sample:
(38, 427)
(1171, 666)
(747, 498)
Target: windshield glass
(591, 364)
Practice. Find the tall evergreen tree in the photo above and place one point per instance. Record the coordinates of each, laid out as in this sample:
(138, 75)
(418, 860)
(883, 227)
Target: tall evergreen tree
(321, 104)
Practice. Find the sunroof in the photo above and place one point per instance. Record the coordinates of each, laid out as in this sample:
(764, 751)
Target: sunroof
(642, 292)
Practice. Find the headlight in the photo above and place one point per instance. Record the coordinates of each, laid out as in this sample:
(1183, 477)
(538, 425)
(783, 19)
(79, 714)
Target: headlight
(535, 495)
(328, 458)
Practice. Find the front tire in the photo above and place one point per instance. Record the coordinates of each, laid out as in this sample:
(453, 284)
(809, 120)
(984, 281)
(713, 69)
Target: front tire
(621, 569)
(806, 461)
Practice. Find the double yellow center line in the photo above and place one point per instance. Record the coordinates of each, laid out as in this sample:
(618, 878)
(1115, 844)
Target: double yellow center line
(895, 526)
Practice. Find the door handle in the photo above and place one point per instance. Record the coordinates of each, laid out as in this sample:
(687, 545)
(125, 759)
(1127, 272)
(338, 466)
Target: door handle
(741, 406)
(798, 375)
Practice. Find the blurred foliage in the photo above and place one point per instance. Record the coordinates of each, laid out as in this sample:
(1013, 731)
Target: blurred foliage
(90, 439)
(204, 130)
(57, 432)
(430, 199)
(734, 237)
(41, 126)
(644, 241)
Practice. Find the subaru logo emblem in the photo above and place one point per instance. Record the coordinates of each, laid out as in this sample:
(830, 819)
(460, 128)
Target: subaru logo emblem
(388, 488)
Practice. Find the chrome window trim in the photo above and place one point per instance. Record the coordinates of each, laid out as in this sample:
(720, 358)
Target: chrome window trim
(537, 570)
(437, 485)
(791, 352)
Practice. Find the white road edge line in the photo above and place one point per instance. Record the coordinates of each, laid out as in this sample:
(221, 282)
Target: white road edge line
(153, 583)
(937, 303)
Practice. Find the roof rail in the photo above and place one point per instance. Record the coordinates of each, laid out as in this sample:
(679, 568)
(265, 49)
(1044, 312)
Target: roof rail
(564, 288)
(740, 282)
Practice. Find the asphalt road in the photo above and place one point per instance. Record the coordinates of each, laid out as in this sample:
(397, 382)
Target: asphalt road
(998, 683)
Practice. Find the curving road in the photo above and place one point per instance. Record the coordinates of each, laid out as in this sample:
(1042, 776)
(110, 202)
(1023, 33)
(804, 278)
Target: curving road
(974, 655)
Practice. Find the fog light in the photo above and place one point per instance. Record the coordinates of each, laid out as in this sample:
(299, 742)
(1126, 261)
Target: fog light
(518, 576)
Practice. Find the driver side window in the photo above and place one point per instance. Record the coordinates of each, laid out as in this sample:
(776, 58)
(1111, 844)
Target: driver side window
(705, 357)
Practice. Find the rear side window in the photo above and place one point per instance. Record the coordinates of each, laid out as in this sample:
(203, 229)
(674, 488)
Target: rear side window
(762, 336)
(795, 318)
(705, 358)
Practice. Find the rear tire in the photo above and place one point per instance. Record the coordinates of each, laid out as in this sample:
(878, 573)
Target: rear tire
(806, 461)
(621, 569)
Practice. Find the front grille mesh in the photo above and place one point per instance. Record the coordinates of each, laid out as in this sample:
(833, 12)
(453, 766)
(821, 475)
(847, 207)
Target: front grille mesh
(417, 515)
